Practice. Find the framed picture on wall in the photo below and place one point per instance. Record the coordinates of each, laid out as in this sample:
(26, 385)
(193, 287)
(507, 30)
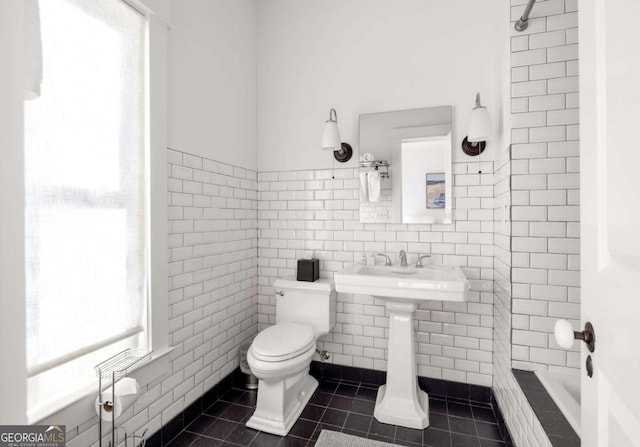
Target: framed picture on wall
(436, 190)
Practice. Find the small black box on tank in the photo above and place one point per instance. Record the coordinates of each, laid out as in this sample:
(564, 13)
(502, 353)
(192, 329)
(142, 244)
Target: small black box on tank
(308, 270)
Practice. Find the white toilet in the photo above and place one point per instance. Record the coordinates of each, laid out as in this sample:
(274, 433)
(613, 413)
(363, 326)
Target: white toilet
(281, 354)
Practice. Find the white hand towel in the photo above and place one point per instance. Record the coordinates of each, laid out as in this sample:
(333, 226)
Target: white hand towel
(373, 178)
(364, 187)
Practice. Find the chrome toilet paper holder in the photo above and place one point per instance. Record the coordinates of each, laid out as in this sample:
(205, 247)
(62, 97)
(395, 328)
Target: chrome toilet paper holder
(116, 368)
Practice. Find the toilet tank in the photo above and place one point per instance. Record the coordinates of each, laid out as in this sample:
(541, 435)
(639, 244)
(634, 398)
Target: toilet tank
(311, 303)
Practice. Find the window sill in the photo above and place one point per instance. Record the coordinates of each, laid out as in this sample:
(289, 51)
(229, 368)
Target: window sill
(79, 407)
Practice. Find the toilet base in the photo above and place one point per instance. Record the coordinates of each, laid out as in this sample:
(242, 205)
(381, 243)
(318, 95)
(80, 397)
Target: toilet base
(279, 405)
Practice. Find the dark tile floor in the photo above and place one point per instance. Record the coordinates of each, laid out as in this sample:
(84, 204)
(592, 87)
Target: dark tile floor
(344, 406)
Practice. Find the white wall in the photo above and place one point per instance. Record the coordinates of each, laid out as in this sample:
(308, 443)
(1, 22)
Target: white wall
(212, 90)
(363, 56)
(163, 9)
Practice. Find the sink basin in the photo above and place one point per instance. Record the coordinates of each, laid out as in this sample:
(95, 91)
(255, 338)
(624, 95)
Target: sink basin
(401, 401)
(433, 282)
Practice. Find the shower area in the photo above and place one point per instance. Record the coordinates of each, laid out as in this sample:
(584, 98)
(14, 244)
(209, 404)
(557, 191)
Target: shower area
(536, 224)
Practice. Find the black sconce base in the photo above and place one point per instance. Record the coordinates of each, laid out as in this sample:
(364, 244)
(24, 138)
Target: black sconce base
(473, 149)
(344, 154)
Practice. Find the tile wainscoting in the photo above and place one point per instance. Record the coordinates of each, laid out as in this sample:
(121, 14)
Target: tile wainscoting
(212, 289)
(309, 213)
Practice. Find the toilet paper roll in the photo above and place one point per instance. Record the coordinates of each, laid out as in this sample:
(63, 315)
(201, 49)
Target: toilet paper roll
(127, 391)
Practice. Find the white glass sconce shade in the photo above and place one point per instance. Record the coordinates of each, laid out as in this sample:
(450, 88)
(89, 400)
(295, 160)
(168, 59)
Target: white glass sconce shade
(331, 133)
(479, 125)
(480, 129)
(342, 152)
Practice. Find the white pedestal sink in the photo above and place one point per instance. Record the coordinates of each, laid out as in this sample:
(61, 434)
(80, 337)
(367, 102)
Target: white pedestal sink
(400, 401)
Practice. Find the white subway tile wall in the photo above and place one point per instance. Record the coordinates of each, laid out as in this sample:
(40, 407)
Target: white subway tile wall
(213, 278)
(505, 388)
(545, 184)
(213, 273)
(544, 234)
(309, 213)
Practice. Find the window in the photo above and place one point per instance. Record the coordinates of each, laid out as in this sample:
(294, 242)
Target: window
(86, 204)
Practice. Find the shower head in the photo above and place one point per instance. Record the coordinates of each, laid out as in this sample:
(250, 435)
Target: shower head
(523, 22)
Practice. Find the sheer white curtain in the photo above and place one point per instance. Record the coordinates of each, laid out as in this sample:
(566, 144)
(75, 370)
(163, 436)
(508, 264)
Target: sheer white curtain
(85, 181)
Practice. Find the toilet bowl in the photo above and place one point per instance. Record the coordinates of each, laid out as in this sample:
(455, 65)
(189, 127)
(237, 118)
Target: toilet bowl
(281, 354)
(281, 350)
(284, 383)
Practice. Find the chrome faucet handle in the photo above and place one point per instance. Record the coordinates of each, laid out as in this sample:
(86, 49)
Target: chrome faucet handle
(403, 258)
(419, 261)
(387, 259)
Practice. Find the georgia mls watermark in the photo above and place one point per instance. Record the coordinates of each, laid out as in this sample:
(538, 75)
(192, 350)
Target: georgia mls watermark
(32, 436)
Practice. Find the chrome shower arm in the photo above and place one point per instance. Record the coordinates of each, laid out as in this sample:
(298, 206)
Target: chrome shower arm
(523, 22)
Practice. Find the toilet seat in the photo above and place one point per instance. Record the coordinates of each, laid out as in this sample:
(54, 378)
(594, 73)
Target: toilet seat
(270, 371)
(282, 342)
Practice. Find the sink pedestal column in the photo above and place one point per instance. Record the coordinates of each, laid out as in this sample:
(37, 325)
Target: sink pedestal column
(401, 401)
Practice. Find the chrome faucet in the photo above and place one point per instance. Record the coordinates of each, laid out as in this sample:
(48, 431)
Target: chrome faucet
(387, 259)
(419, 261)
(403, 258)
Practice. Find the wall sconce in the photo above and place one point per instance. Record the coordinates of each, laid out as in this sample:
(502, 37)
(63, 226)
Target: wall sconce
(480, 130)
(331, 139)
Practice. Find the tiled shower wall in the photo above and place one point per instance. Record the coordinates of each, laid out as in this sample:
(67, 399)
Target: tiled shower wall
(308, 213)
(544, 240)
(545, 183)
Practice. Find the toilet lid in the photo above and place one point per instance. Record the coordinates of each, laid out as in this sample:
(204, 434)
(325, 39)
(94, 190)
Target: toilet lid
(282, 342)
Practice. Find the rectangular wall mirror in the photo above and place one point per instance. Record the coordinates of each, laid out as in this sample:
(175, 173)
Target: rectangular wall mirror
(405, 166)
